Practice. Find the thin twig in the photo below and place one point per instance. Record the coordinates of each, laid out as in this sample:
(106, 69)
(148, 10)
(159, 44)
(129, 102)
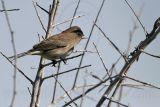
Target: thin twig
(145, 31)
(145, 83)
(73, 90)
(142, 45)
(29, 91)
(120, 95)
(85, 48)
(96, 77)
(131, 34)
(117, 49)
(65, 21)
(55, 84)
(15, 54)
(102, 60)
(75, 11)
(135, 27)
(84, 51)
(53, 75)
(18, 69)
(113, 66)
(42, 8)
(52, 16)
(36, 89)
(87, 91)
(113, 94)
(33, 1)
(65, 91)
(9, 10)
(83, 90)
(61, 60)
(156, 56)
(110, 99)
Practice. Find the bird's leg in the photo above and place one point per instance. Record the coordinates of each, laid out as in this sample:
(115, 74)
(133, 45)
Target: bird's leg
(54, 62)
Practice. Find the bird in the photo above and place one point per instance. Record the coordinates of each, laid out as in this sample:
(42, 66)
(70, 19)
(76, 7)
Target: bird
(58, 46)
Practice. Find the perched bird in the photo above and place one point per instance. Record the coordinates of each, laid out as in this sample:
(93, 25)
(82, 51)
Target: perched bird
(57, 46)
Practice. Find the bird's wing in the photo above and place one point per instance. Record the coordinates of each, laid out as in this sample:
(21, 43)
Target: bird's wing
(52, 42)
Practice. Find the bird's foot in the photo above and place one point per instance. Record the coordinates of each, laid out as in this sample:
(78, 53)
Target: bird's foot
(54, 62)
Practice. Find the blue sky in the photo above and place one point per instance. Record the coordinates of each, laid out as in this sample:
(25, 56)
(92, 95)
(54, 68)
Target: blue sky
(116, 20)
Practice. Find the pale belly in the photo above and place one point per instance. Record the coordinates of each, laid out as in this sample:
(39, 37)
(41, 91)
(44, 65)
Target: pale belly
(57, 54)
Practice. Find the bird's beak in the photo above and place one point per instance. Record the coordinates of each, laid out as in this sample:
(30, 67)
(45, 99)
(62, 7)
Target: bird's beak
(83, 37)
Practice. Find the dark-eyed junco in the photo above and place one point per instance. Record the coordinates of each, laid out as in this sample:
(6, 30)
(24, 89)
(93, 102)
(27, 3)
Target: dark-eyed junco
(57, 46)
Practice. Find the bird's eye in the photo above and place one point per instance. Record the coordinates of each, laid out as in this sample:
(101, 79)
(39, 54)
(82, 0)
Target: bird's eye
(78, 32)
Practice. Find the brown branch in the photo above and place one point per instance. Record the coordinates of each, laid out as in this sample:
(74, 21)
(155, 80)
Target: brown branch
(52, 15)
(113, 94)
(36, 89)
(131, 34)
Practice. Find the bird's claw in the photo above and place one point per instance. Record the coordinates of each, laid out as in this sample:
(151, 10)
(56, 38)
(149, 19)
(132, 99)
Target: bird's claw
(54, 62)
(64, 61)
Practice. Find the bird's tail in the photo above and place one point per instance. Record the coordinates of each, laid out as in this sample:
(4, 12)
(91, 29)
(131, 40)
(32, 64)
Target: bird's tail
(19, 55)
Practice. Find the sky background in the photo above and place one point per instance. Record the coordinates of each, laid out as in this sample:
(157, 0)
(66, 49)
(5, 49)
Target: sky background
(116, 20)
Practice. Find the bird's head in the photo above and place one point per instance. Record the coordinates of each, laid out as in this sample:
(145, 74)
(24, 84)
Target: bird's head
(77, 30)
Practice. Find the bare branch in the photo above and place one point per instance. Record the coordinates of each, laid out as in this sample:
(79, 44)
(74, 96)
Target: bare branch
(55, 84)
(142, 45)
(117, 49)
(9, 10)
(145, 31)
(65, 72)
(42, 8)
(145, 83)
(102, 61)
(61, 60)
(156, 56)
(75, 11)
(85, 48)
(18, 69)
(87, 91)
(110, 99)
(33, 1)
(75, 17)
(14, 51)
(83, 90)
(65, 91)
(36, 89)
